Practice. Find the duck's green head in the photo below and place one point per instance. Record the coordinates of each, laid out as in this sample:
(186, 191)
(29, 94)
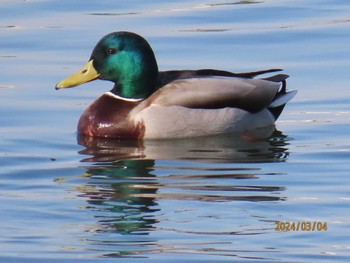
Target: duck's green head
(124, 58)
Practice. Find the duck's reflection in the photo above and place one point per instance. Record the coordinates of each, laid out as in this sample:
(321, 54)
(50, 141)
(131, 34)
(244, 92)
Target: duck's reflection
(117, 191)
(263, 145)
(128, 179)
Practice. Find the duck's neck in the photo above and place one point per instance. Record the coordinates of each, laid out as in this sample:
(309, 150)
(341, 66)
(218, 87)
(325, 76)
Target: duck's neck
(134, 90)
(139, 85)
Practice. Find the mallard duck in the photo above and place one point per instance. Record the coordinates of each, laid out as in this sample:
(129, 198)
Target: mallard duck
(146, 103)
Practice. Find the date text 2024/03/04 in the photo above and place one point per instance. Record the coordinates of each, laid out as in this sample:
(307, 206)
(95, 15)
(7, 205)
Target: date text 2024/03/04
(301, 226)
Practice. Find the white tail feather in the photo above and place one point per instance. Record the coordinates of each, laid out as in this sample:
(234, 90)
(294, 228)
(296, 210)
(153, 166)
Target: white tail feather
(283, 99)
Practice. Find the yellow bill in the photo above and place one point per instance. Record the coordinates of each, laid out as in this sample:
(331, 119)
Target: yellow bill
(86, 74)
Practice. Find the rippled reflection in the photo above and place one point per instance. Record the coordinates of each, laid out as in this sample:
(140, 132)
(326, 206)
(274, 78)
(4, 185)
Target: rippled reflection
(263, 145)
(128, 181)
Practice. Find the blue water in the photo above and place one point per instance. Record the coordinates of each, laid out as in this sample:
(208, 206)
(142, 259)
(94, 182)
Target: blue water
(65, 198)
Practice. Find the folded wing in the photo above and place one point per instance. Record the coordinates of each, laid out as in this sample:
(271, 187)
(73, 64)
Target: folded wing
(216, 92)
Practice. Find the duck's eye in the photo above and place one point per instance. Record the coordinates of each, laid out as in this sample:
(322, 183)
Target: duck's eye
(111, 51)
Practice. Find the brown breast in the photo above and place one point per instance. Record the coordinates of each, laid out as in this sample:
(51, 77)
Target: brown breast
(109, 117)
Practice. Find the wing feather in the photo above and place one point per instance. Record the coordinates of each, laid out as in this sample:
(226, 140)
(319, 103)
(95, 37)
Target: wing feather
(216, 92)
